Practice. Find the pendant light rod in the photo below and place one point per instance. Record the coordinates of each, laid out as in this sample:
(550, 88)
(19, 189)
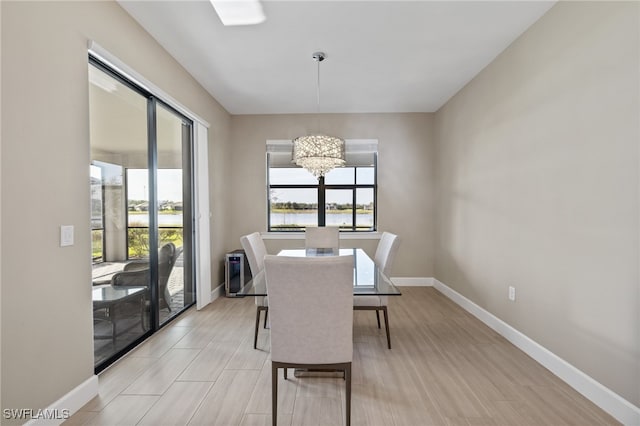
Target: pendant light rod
(318, 57)
(318, 153)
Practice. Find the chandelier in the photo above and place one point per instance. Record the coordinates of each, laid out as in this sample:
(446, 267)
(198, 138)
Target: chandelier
(318, 154)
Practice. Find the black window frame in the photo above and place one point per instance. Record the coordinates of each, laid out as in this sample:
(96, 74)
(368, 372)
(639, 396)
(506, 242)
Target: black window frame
(322, 188)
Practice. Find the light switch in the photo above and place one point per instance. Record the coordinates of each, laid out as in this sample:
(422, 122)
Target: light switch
(66, 235)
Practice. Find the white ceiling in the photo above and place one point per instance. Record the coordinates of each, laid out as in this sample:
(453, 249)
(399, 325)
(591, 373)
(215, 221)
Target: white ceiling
(382, 56)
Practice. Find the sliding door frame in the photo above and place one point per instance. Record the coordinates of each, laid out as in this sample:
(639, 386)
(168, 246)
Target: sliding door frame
(189, 235)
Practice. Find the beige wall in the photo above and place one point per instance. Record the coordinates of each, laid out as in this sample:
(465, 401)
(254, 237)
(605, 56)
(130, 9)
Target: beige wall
(47, 342)
(533, 182)
(537, 181)
(405, 177)
(0, 211)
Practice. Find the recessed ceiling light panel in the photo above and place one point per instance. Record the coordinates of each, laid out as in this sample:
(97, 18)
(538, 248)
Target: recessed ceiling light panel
(239, 12)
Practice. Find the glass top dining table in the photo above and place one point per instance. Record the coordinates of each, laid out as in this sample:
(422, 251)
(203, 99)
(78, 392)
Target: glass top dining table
(368, 280)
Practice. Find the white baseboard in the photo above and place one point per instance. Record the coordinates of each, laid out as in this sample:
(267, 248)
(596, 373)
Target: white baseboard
(618, 407)
(412, 281)
(69, 404)
(217, 292)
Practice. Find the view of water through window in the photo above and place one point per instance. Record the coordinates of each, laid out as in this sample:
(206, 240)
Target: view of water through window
(348, 198)
(169, 197)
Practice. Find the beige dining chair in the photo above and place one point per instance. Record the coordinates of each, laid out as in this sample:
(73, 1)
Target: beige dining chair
(322, 237)
(255, 251)
(311, 301)
(384, 257)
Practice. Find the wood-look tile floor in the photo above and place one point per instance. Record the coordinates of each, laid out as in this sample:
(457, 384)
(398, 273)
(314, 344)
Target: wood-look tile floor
(445, 368)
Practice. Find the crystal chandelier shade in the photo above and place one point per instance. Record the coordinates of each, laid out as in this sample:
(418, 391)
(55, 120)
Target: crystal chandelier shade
(318, 154)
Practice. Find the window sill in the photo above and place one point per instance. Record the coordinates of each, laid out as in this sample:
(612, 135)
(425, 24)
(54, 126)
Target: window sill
(374, 235)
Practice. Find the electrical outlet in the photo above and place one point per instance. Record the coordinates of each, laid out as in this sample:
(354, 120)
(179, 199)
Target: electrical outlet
(512, 293)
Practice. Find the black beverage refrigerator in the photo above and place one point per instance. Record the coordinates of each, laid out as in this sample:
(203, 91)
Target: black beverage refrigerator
(236, 272)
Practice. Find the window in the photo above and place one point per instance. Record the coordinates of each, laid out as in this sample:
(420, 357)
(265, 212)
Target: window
(106, 186)
(345, 197)
(97, 219)
(169, 216)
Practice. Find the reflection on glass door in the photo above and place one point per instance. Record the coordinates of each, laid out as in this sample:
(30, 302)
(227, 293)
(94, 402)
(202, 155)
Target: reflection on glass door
(141, 215)
(173, 187)
(120, 286)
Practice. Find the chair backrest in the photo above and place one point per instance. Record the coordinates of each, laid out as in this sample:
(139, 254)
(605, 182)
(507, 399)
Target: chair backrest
(167, 256)
(137, 273)
(166, 259)
(137, 277)
(322, 237)
(255, 251)
(386, 252)
(310, 308)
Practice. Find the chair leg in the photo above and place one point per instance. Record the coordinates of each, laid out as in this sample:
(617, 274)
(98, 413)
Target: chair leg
(274, 395)
(255, 337)
(386, 318)
(386, 325)
(347, 373)
(285, 372)
(266, 315)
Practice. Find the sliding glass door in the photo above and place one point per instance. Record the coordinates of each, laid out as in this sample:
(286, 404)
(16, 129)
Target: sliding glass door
(141, 214)
(174, 224)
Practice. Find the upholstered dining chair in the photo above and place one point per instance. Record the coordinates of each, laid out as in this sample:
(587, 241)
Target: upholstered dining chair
(255, 251)
(322, 237)
(310, 300)
(384, 257)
